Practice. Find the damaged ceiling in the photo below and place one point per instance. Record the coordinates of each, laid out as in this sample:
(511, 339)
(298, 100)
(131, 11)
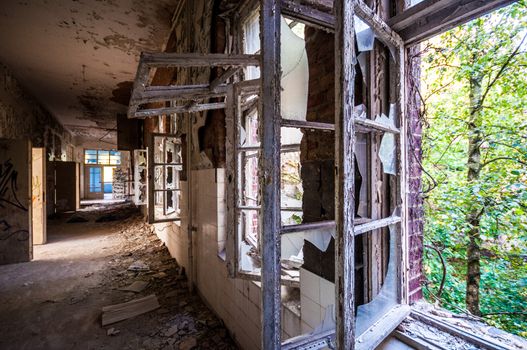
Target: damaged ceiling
(79, 57)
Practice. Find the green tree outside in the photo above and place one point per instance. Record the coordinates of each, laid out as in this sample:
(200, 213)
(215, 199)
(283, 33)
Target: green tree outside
(474, 91)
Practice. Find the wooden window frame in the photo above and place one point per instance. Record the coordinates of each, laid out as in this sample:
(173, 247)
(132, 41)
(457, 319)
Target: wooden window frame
(345, 128)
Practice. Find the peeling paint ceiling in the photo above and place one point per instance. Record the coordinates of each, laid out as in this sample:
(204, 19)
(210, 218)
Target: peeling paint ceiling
(79, 57)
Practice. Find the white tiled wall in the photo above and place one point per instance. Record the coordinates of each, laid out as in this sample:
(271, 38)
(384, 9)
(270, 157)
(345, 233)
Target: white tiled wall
(236, 302)
(316, 295)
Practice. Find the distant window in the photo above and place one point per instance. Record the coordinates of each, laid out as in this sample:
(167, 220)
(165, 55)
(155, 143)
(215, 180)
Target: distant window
(102, 157)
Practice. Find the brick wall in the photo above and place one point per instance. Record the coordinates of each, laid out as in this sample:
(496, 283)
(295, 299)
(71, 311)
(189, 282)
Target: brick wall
(317, 158)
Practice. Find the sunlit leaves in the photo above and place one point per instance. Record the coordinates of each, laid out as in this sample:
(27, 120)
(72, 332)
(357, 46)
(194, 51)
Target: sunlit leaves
(482, 49)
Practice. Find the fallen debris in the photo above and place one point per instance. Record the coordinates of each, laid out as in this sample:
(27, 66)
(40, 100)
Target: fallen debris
(136, 287)
(138, 265)
(112, 331)
(187, 343)
(119, 312)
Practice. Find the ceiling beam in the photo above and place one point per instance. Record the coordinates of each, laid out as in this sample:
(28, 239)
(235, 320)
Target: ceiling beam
(433, 17)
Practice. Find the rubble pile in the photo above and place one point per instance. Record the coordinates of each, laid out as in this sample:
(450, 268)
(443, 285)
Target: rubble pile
(182, 321)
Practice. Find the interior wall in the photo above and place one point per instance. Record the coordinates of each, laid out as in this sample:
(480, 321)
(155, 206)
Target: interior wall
(15, 201)
(235, 301)
(21, 116)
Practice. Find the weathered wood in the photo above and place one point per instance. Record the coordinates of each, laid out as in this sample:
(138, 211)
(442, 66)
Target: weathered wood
(373, 125)
(231, 247)
(483, 342)
(169, 59)
(376, 224)
(223, 78)
(178, 93)
(308, 14)
(302, 124)
(382, 31)
(269, 164)
(308, 226)
(432, 17)
(179, 109)
(136, 307)
(344, 177)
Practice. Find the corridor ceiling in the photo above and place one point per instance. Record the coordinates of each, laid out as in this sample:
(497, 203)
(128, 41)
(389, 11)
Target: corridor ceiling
(79, 57)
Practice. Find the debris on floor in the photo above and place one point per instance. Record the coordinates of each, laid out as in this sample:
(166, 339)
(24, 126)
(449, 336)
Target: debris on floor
(85, 268)
(119, 312)
(138, 266)
(136, 287)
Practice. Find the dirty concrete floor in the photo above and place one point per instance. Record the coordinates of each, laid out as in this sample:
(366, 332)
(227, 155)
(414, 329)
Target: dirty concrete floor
(55, 301)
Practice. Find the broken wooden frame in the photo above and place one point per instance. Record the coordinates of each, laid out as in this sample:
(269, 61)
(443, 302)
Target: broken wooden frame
(415, 24)
(140, 176)
(165, 163)
(383, 320)
(239, 263)
(143, 93)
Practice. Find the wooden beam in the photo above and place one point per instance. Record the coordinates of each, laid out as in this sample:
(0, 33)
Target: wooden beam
(308, 14)
(433, 17)
(177, 93)
(179, 109)
(269, 164)
(344, 177)
(222, 79)
(381, 29)
(169, 59)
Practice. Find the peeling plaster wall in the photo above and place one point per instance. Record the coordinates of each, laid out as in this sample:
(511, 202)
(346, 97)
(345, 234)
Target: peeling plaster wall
(21, 116)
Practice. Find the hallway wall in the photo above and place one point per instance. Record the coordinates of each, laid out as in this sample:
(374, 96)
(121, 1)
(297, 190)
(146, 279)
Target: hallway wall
(235, 301)
(22, 116)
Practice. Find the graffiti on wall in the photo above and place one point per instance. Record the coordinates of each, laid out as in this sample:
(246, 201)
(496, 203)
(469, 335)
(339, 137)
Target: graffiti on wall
(6, 232)
(9, 186)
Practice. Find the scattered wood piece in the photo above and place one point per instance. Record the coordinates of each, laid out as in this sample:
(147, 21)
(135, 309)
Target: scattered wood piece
(123, 311)
(136, 287)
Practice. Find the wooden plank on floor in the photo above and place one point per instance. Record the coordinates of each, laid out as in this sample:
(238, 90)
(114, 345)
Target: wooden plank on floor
(119, 312)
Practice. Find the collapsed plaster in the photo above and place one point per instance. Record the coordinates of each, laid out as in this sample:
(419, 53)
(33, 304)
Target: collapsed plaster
(82, 56)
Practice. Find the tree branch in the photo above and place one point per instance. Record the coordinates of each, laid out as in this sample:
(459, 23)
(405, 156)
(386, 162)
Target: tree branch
(503, 158)
(500, 72)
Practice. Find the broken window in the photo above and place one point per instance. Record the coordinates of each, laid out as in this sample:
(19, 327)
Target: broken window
(244, 180)
(377, 224)
(165, 165)
(140, 176)
(102, 157)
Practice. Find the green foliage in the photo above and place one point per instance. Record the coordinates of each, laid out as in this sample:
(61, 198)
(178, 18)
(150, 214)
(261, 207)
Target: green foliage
(491, 50)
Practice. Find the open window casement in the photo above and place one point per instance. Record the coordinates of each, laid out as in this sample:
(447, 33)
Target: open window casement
(164, 173)
(243, 192)
(140, 177)
(368, 322)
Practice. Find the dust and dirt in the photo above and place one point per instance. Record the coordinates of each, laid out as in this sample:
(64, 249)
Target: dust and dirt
(55, 301)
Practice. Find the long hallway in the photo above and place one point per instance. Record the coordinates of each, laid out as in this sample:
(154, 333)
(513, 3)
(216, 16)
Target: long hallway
(55, 301)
